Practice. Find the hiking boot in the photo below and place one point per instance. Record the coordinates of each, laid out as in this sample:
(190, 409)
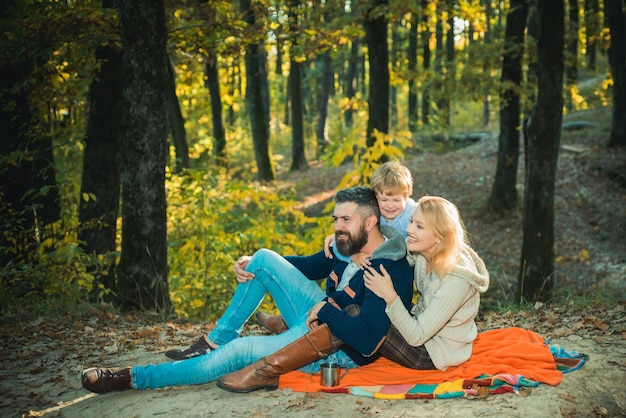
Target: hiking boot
(274, 323)
(100, 380)
(199, 348)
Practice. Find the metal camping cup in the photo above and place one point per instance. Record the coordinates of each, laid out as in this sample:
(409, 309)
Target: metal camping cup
(330, 374)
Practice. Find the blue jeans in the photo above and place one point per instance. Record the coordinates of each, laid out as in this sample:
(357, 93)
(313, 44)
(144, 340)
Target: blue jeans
(228, 358)
(294, 295)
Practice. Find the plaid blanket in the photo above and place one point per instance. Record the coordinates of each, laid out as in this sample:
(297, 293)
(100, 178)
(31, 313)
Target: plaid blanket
(504, 360)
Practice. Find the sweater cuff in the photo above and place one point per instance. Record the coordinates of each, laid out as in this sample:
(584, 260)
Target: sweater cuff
(392, 306)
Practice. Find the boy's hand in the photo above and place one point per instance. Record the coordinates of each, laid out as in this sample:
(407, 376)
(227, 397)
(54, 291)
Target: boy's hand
(328, 241)
(362, 260)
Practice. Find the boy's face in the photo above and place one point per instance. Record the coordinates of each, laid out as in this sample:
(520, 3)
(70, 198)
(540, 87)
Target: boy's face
(391, 205)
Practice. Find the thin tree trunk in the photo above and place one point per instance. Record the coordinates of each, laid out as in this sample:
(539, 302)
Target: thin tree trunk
(504, 191)
(219, 133)
(321, 130)
(102, 164)
(298, 159)
(378, 52)
(592, 11)
(350, 80)
(426, 61)
(571, 67)
(617, 58)
(393, 91)
(176, 121)
(256, 101)
(412, 67)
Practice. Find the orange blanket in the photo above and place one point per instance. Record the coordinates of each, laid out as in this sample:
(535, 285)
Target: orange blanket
(508, 350)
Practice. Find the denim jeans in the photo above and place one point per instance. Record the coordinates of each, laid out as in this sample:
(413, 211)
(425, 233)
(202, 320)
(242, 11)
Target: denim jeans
(294, 295)
(228, 358)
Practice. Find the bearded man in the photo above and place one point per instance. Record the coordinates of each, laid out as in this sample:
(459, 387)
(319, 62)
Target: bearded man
(317, 320)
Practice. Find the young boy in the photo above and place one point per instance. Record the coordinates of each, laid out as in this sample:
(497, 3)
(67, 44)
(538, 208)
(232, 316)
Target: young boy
(393, 185)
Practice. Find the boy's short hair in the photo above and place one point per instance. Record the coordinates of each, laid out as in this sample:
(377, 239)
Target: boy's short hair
(392, 178)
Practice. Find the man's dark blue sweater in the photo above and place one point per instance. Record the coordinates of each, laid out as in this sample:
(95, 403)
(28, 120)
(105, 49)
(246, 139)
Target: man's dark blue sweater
(362, 335)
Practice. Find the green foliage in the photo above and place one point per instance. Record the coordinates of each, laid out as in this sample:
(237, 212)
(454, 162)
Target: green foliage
(58, 270)
(365, 160)
(211, 222)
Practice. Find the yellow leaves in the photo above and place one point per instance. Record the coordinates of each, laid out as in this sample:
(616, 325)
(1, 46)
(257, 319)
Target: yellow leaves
(89, 196)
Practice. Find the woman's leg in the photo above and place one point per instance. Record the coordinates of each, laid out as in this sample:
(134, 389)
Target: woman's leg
(396, 348)
(293, 293)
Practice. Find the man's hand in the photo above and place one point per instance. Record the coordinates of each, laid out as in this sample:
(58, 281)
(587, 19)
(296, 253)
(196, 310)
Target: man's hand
(311, 320)
(327, 244)
(240, 269)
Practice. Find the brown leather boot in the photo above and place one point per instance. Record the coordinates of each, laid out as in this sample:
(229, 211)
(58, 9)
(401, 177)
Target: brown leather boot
(274, 323)
(264, 373)
(100, 380)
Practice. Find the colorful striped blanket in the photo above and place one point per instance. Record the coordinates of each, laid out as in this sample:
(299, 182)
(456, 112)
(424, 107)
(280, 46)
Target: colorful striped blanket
(504, 360)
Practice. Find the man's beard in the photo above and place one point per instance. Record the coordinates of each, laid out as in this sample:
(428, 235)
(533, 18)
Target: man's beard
(353, 244)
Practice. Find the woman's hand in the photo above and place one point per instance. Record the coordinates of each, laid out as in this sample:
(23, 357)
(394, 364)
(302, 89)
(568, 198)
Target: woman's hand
(328, 241)
(380, 284)
(240, 269)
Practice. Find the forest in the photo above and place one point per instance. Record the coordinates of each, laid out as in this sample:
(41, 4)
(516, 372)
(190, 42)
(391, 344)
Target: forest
(147, 144)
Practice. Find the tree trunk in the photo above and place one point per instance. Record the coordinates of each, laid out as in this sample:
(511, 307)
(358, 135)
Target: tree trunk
(176, 121)
(504, 192)
(571, 67)
(488, 40)
(412, 68)
(532, 34)
(321, 130)
(256, 104)
(439, 62)
(28, 188)
(102, 164)
(450, 69)
(592, 12)
(298, 159)
(142, 272)
(378, 101)
(543, 137)
(617, 58)
(219, 134)
(426, 59)
(351, 79)
(393, 91)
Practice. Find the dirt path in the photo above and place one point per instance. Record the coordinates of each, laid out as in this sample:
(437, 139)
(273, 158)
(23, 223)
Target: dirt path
(594, 390)
(42, 358)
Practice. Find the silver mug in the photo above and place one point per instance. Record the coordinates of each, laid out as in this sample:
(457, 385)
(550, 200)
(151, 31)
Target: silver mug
(330, 374)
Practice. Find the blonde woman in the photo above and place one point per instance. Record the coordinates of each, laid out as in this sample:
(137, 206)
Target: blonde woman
(438, 332)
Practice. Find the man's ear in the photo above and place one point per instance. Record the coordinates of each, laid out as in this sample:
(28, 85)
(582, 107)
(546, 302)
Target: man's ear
(371, 222)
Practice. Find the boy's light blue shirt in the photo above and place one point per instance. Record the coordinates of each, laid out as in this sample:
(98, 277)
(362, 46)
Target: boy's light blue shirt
(399, 223)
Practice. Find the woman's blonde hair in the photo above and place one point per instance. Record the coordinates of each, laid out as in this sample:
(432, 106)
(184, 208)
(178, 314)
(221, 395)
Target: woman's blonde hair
(443, 217)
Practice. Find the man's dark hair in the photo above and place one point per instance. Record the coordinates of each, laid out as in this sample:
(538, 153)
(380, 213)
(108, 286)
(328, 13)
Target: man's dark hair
(364, 197)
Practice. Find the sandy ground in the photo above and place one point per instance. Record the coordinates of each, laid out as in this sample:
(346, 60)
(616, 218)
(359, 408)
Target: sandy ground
(41, 377)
